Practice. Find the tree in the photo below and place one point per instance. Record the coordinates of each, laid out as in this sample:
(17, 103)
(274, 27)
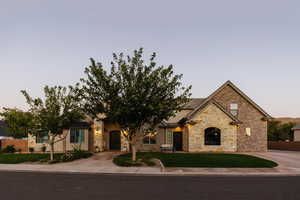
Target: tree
(59, 109)
(135, 95)
(278, 131)
(19, 123)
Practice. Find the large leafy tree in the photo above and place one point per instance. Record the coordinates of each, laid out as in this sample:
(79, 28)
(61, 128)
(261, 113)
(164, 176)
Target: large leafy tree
(55, 112)
(278, 131)
(136, 95)
(18, 123)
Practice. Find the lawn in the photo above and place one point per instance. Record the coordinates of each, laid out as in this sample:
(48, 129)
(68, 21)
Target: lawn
(213, 160)
(16, 158)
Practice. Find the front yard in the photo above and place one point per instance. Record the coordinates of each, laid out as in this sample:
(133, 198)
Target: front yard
(16, 158)
(204, 160)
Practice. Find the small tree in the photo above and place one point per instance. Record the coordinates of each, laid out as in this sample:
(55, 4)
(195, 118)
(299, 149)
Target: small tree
(136, 95)
(18, 123)
(59, 109)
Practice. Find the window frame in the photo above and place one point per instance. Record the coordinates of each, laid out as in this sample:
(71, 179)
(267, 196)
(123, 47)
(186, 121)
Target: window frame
(76, 139)
(234, 111)
(207, 137)
(148, 136)
(41, 140)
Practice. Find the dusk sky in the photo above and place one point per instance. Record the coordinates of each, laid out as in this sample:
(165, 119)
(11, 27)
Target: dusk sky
(255, 44)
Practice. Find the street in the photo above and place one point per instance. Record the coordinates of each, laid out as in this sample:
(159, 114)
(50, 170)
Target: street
(44, 186)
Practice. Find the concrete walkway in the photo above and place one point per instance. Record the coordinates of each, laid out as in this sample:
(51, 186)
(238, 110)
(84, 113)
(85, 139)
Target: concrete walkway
(289, 164)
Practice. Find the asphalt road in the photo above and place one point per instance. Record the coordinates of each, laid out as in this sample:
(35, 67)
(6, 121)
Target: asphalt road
(44, 186)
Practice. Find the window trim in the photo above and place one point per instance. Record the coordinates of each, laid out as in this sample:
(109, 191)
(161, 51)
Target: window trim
(148, 136)
(234, 109)
(77, 141)
(219, 142)
(37, 141)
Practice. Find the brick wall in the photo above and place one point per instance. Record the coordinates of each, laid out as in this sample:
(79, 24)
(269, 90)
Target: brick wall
(18, 144)
(250, 117)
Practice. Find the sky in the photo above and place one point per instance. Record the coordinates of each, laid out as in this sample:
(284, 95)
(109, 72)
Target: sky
(255, 44)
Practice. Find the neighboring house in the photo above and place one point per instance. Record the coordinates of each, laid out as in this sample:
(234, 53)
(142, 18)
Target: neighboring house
(226, 121)
(5, 139)
(296, 130)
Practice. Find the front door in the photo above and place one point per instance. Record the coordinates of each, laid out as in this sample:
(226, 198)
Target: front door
(177, 141)
(115, 140)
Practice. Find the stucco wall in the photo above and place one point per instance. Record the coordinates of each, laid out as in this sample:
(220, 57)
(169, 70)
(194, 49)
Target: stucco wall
(297, 135)
(250, 117)
(58, 147)
(61, 146)
(212, 116)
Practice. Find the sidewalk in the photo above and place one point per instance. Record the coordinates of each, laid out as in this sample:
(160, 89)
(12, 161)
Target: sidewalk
(102, 163)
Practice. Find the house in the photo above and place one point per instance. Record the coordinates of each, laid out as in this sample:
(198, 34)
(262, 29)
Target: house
(296, 130)
(226, 121)
(5, 139)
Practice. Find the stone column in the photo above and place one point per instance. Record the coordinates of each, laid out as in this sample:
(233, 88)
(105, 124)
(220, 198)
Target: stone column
(98, 131)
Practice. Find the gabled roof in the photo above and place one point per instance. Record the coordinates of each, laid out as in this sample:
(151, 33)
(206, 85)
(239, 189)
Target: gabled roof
(197, 104)
(212, 101)
(229, 83)
(193, 103)
(296, 127)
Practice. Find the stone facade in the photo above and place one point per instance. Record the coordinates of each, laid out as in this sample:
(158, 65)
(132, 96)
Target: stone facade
(212, 116)
(245, 132)
(250, 117)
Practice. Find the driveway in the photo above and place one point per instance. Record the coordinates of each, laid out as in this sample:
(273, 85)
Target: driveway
(287, 160)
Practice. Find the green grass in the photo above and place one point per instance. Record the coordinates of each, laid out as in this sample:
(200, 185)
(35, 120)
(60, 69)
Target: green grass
(15, 158)
(209, 160)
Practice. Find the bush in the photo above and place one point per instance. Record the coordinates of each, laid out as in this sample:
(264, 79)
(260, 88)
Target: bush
(9, 149)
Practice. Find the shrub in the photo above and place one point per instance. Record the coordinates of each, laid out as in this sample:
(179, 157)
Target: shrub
(31, 149)
(9, 149)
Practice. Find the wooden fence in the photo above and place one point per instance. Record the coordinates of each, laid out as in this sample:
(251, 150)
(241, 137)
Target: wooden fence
(289, 146)
(18, 144)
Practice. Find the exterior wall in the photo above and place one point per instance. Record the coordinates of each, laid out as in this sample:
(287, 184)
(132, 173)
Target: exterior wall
(297, 135)
(61, 146)
(160, 138)
(83, 146)
(250, 117)
(98, 135)
(18, 144)
(212, 116)
(108, 127)
(58, 147)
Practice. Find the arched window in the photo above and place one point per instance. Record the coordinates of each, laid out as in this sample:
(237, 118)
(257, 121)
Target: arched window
(212, 136)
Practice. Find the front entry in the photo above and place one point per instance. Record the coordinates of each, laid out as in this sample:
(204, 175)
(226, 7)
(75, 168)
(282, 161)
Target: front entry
(177, 141)
(115, 140)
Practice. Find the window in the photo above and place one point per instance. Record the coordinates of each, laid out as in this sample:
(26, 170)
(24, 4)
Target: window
(150, 138)
(212, 136)
(248, 131)
(234, 109)
(77, 136)
(42, 139)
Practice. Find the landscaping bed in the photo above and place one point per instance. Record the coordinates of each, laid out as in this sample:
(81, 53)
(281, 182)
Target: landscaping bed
(202, 160)
(15, 158)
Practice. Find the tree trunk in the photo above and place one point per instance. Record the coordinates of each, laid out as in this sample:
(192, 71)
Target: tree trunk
(52, 150)
(133, 152)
